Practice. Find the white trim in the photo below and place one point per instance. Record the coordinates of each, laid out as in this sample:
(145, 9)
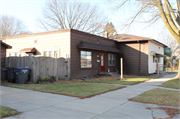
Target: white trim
(51, 50)
(13, 54)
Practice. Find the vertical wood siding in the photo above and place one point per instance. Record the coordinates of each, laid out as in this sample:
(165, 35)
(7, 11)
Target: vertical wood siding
(135, 57)
(3, 55)
(41, 66)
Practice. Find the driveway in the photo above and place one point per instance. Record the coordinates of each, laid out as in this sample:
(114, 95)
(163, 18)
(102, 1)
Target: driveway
(114, 104)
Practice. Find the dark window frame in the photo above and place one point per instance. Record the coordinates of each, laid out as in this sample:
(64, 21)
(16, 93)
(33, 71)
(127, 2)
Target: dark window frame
(110, 61)
(156, 59)
(90, 60)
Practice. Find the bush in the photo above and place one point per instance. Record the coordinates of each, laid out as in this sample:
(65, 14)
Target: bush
(45, 78)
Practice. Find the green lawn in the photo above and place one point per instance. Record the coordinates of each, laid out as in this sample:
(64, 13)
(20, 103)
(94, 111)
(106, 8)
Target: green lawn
(169, 68)
(125, 81)
(81, 90)
(6, 111)
(174, 83)
(160, 97)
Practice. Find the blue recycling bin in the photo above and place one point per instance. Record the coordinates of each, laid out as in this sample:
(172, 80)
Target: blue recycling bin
(21, 74)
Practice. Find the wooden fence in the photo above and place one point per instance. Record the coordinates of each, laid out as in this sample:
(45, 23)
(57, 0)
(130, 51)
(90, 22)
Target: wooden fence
(42, 66)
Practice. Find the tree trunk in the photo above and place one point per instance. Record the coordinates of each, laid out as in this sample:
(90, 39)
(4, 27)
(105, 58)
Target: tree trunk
(178, 70)
(171, 67)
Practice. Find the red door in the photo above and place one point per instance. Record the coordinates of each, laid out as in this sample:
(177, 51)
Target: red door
(102, 61)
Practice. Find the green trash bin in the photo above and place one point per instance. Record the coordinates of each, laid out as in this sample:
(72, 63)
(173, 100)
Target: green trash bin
(21, 74)
(3, 74)
(10, 76)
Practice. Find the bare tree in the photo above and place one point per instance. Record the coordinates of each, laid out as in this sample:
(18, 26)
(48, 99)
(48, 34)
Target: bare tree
(65, 14)
(166, 10)
(11, 26)
(175, 50)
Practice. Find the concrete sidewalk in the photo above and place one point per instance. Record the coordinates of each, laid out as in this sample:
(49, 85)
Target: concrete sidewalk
(112, 104)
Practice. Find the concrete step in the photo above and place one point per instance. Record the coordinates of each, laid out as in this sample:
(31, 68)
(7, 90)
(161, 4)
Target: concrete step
(113, 74)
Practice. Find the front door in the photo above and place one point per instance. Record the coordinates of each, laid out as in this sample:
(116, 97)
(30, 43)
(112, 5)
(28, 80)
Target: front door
(102, 61)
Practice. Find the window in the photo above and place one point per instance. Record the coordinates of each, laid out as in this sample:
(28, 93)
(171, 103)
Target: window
(35, 41)
(51, 53)
(45, 53)
(55, 54)
(16, 54)
(156, 59)
(111, 59)
(86, 59)
(29, 54)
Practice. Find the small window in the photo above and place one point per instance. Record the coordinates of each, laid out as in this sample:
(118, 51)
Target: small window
(35, 41)
(45, 53)
(55, 54)
(86, 59)
(111, 59)
(156, 59)
(29, 54)
(51, 53)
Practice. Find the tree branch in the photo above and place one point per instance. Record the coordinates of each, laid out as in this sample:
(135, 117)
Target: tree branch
(160, 7)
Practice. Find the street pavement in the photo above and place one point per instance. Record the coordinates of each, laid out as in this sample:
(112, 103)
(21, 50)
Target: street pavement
(110, 105)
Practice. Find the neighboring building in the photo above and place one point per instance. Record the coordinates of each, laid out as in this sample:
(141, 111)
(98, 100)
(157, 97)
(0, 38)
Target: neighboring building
(4, 46)
(90, 54)
(140, 54)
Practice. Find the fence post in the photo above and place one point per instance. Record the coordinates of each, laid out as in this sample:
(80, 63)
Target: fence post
(56, 68)
(68, 69)
(121, 68)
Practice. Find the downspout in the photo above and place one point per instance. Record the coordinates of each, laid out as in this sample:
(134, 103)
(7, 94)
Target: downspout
(139, 58)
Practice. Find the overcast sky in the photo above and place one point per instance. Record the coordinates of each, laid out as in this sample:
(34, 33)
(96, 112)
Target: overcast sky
(28, 10)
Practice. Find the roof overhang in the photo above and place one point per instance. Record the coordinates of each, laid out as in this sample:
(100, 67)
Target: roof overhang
(6, 45)
(160, 55)
(28, 50)
(92, 46)
(157, 54)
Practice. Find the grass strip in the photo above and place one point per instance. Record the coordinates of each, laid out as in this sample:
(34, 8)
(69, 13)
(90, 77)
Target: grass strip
(81, 90)
(128, 81)
(125, 81)
(7, 111)
(173, 83)
(160, 97)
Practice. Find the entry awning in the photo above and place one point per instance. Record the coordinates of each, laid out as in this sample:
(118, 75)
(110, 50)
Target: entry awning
(160, 55)
(28, 50)
(157, 54)
(92, 46)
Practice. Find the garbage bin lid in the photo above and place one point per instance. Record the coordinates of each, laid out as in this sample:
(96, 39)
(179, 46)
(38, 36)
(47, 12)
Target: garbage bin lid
(21, 68)
(3, 69)
(9, 67)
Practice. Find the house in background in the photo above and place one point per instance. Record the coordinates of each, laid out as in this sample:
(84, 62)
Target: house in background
(141, 55)
(90, 54)
(4, 46)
